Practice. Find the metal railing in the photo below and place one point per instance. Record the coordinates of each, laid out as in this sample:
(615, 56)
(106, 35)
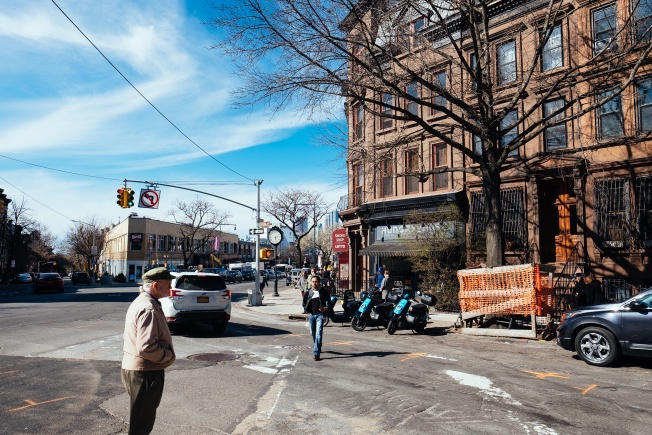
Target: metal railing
(563, 287)
(353, 199)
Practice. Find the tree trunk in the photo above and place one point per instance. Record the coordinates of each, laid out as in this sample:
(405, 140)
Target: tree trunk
(493, 218)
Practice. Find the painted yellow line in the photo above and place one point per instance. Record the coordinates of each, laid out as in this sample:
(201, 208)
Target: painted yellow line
(8, 373)
(592, 386)
(413, 355)
(540, 375)
(31, 403)
(341, 343)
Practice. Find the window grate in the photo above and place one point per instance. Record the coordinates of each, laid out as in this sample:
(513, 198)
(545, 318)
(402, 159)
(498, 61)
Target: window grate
(612, 212)
(644, 210)
(514, 229)
(617, 290)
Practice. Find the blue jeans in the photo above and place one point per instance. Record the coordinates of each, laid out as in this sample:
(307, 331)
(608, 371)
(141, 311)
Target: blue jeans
(316, 322)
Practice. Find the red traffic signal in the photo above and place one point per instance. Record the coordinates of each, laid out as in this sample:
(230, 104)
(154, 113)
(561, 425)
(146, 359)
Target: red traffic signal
(122, 198)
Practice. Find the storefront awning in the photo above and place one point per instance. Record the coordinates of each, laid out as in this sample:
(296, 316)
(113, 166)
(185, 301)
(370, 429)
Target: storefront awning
(388, 249)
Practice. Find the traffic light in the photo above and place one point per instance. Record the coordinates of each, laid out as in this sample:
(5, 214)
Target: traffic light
(123, 197)
(266, 253)
(130, 198)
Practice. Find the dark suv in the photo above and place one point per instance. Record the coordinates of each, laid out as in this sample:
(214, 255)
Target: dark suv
(248, 274)
(601, 333)
(80, 278)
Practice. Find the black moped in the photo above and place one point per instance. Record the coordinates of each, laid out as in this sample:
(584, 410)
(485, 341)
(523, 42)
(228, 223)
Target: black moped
(349, 304)
(407, 315)
(372, 312)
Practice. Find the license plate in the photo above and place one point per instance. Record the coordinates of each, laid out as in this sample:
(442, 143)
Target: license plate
(202, 299)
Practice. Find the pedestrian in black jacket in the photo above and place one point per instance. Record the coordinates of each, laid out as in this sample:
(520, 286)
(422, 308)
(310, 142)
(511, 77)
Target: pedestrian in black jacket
(315, 303)
(594, 293)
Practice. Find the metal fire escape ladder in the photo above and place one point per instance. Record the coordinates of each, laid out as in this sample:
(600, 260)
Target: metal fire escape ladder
(563, 288)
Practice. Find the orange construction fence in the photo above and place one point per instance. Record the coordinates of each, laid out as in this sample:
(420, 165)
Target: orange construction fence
(513, 289)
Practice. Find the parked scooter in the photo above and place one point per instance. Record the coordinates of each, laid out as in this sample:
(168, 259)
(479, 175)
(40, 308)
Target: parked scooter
(349, 304)
(372, 312)
(407, 315)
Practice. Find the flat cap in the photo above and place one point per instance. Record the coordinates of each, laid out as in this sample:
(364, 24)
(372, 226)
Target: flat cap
(157, 274)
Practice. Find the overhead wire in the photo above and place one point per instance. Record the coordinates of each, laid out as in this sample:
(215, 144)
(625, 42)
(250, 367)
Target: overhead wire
(147, 100)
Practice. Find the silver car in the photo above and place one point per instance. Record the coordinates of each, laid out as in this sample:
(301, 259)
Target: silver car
(197, 297)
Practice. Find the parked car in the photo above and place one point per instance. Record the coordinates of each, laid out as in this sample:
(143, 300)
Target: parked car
(24, 278)
(198, 298)
(48, 281)
(80, 278)
(233, 276)
(248, 274)
(601, 333)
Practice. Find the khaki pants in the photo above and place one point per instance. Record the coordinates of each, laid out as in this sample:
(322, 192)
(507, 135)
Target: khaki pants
(145, 389)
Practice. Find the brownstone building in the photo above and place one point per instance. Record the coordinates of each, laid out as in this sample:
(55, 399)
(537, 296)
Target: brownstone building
(576, 194)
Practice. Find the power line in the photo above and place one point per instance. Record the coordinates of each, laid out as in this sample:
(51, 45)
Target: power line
(29, 196)
(61, 170)
(145, 98)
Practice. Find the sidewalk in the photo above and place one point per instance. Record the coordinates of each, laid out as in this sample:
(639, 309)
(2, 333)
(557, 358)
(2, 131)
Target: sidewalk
(288, 304)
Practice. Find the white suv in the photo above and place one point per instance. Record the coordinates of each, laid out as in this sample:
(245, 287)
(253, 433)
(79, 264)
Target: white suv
(198, 297)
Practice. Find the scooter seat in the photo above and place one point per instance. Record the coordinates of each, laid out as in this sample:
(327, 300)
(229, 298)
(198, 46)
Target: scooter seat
(418, 309)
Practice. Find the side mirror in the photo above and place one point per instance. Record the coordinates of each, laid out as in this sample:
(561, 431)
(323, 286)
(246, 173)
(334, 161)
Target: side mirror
(637, 306)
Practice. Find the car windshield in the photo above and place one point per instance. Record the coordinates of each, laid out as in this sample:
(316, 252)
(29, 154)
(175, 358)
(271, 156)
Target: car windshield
(646, 298)
(200, 282)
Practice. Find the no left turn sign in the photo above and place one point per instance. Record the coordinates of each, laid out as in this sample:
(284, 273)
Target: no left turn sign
(149, 198)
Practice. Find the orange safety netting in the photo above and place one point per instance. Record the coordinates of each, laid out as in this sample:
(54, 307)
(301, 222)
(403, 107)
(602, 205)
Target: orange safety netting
(501, 290)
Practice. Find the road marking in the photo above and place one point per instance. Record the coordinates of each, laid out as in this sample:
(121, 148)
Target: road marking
(8, 373)
(483, 384)
(31, 403)
(413, 355)
(341, 343)
(586, 390)
(540, 375)
(440, 357)
(287, 336)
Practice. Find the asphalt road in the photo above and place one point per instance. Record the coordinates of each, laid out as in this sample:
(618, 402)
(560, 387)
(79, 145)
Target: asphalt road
(60, 358)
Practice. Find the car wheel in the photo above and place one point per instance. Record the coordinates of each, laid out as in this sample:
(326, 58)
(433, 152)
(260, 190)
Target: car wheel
(597, 346)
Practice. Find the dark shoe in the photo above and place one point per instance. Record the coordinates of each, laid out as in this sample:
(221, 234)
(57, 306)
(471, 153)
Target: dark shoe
(316, 357)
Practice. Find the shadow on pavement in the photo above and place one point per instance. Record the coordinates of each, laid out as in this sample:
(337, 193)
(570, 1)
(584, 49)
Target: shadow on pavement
(338, 355)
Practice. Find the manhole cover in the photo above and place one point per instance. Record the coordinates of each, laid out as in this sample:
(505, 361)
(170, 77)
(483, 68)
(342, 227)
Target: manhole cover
(213, 357)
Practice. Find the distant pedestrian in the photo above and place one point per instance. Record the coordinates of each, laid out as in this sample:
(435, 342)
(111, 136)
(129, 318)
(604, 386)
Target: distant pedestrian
(303, 282)
(265, 282)
(594, 292)
(579, 291)
(379, 277)
(315, 303)
(147, 351)
(386, 285)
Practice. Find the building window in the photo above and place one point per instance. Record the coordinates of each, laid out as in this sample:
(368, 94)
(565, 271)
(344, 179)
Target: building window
(151, 242)
(358, 122)
(604, 27)
(440, 161)
(408, 34)
(387, 113)
(506, 65)
(358, 182)
(387, 168)
(438, 99)
(473, 63)
(552, 55)
(171, 244)
(477, 145)
(644, 101)
(509, 136)
(644, 210)
(612, 212)
(610, 116)
(411, 105)
(554, 137)
(161, 243)
(411, 166)
(643, 19)
(514, 228)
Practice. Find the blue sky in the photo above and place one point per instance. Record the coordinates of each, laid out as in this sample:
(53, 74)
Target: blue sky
(63, 106)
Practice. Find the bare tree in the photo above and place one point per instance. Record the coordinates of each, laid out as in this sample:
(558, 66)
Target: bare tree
(293, 208)
(42, 245)
(19, 225)
(199, 222)
(80, 239)
(308, 54)
(325, 240)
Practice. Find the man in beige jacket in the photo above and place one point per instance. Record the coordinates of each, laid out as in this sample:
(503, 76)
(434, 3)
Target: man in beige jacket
(147, 351)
